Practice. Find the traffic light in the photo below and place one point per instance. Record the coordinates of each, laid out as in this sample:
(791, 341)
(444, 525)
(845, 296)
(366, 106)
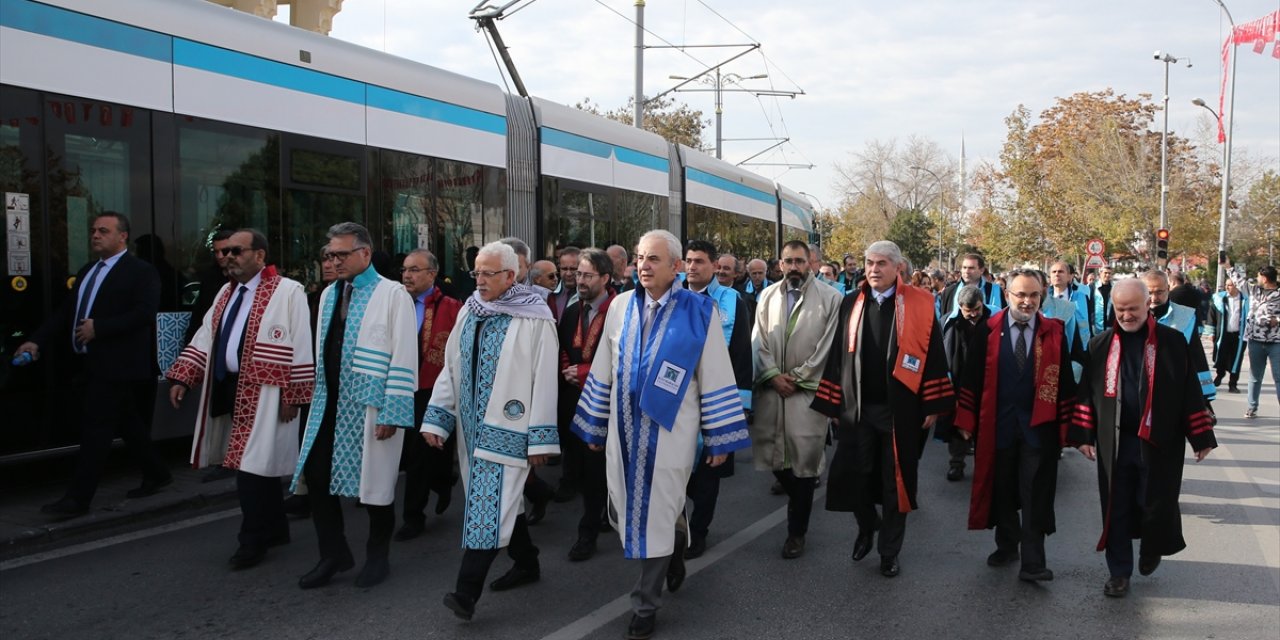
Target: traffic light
(1162, 245)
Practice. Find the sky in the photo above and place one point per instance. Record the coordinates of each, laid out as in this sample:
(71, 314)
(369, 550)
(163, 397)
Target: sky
(940, 70)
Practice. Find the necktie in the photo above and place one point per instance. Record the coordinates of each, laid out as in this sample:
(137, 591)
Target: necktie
(1020, 347)
(224, 336)
(650, 314)
(586, 320)
(344, 302)
(424, 332)
(83, 308)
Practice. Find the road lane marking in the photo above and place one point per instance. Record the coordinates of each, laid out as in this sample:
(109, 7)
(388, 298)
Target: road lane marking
(115, 540)
(588, 624)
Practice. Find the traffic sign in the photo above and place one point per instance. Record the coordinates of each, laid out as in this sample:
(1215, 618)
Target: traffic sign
(1094, 247)
(1095, 262)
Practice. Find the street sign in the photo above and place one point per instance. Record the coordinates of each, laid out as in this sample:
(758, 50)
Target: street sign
(1094, 247)
(1095, 262)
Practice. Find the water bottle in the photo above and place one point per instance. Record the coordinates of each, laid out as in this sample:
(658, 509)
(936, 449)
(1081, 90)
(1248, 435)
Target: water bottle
(23, 359)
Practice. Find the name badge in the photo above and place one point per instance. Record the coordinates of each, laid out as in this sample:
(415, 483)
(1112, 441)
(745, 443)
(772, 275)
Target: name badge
(911, 363)
(669, 377)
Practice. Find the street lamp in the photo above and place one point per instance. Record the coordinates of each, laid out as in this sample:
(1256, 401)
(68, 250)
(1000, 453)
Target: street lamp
(1222, 213)
(717, 85)
(942, 208)
(1166, 58)
(1226, 152)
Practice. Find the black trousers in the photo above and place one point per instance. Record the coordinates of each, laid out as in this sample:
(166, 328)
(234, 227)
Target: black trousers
(873, 468)
(595, 493)
(957, 449)
(1224, 357)
(426, 468)
(110, 408)
(573, 454)
(799, 500)
(476, 562)
(326, 508)
(704, 490)
(1015, 469)
(1128, 500)
(262, 504)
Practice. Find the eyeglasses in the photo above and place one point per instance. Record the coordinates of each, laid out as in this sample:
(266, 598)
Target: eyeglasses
(585, 275)
(487, 274)
(416, 270)
(340, 256)
(231, 251)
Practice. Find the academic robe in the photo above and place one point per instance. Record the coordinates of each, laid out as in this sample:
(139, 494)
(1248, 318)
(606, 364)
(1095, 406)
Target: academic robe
(1077, 332)
(276, 366)
(1101, 315)
(1054, 400)
(919, 383)
(1183, 319)
(498, 394)
(378, 376)
(1228, 359)
(648, 458)
(785, 432)
(1174, 415)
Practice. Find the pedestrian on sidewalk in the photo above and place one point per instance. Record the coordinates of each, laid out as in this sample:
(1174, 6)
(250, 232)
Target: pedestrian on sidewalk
(1262, 330)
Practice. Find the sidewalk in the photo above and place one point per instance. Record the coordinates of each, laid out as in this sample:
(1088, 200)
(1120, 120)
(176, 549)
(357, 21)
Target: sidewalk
(24, 530)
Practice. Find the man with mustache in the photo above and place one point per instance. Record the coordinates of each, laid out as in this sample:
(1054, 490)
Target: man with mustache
(795, 322)
(1017, 391)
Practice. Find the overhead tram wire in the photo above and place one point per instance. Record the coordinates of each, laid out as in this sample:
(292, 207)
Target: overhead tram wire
(680, 48)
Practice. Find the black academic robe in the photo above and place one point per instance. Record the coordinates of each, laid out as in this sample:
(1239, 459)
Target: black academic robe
(1178, 417)
(957, 333)
(1054, 386)
(837, 392)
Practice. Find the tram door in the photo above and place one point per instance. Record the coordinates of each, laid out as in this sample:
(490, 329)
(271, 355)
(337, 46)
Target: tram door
(323, 185)
(63, 160)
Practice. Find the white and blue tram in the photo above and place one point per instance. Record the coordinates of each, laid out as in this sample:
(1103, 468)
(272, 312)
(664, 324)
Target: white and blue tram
(189, 116)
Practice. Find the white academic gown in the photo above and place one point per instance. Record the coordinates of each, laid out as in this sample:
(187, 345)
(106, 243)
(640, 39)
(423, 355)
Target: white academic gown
(647, 466)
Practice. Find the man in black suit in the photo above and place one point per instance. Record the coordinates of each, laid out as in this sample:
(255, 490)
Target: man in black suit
(108, 324)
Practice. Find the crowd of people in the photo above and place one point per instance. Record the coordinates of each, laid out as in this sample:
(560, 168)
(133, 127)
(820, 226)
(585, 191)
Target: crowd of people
(642, 375)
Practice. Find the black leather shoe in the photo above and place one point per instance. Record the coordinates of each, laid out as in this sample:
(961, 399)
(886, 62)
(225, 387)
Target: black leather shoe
(581, 550)
(955, 474)
(697, 547)
(889, 567)
(1035, 575)
(246, 557)
(376, 569)
(1116, 587)
(461, 606)
(150, 487)
(1233, 389)
(566, 492)
(1147, 564)
(862, 544)
(1217, 381)
(641, 628)
(793, 548)
(325, 570)
(537, 511)
(517, 576)
(1002, 557)
(409, 531)
(66, 508)
(676, 570)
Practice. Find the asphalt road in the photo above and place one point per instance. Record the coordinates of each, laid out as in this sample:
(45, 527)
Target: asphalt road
(173, 581)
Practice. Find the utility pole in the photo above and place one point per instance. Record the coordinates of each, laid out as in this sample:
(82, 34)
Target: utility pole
(638, 118)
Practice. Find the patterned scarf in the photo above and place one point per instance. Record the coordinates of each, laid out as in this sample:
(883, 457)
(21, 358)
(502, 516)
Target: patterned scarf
(1148, 367)
(520, 301)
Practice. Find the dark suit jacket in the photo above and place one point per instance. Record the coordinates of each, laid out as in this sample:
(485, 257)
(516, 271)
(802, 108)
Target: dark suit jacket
(124, 320)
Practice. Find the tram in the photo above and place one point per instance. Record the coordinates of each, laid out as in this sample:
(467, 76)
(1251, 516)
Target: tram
(188, 116)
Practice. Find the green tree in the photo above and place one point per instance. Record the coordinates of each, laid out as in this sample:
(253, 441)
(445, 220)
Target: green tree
(912, 231)
(675, 121)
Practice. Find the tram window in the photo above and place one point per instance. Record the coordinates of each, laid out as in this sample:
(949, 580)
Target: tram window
(576, 213)
(637, 213)
(740, 235)
(227, 177)
(319, 169)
